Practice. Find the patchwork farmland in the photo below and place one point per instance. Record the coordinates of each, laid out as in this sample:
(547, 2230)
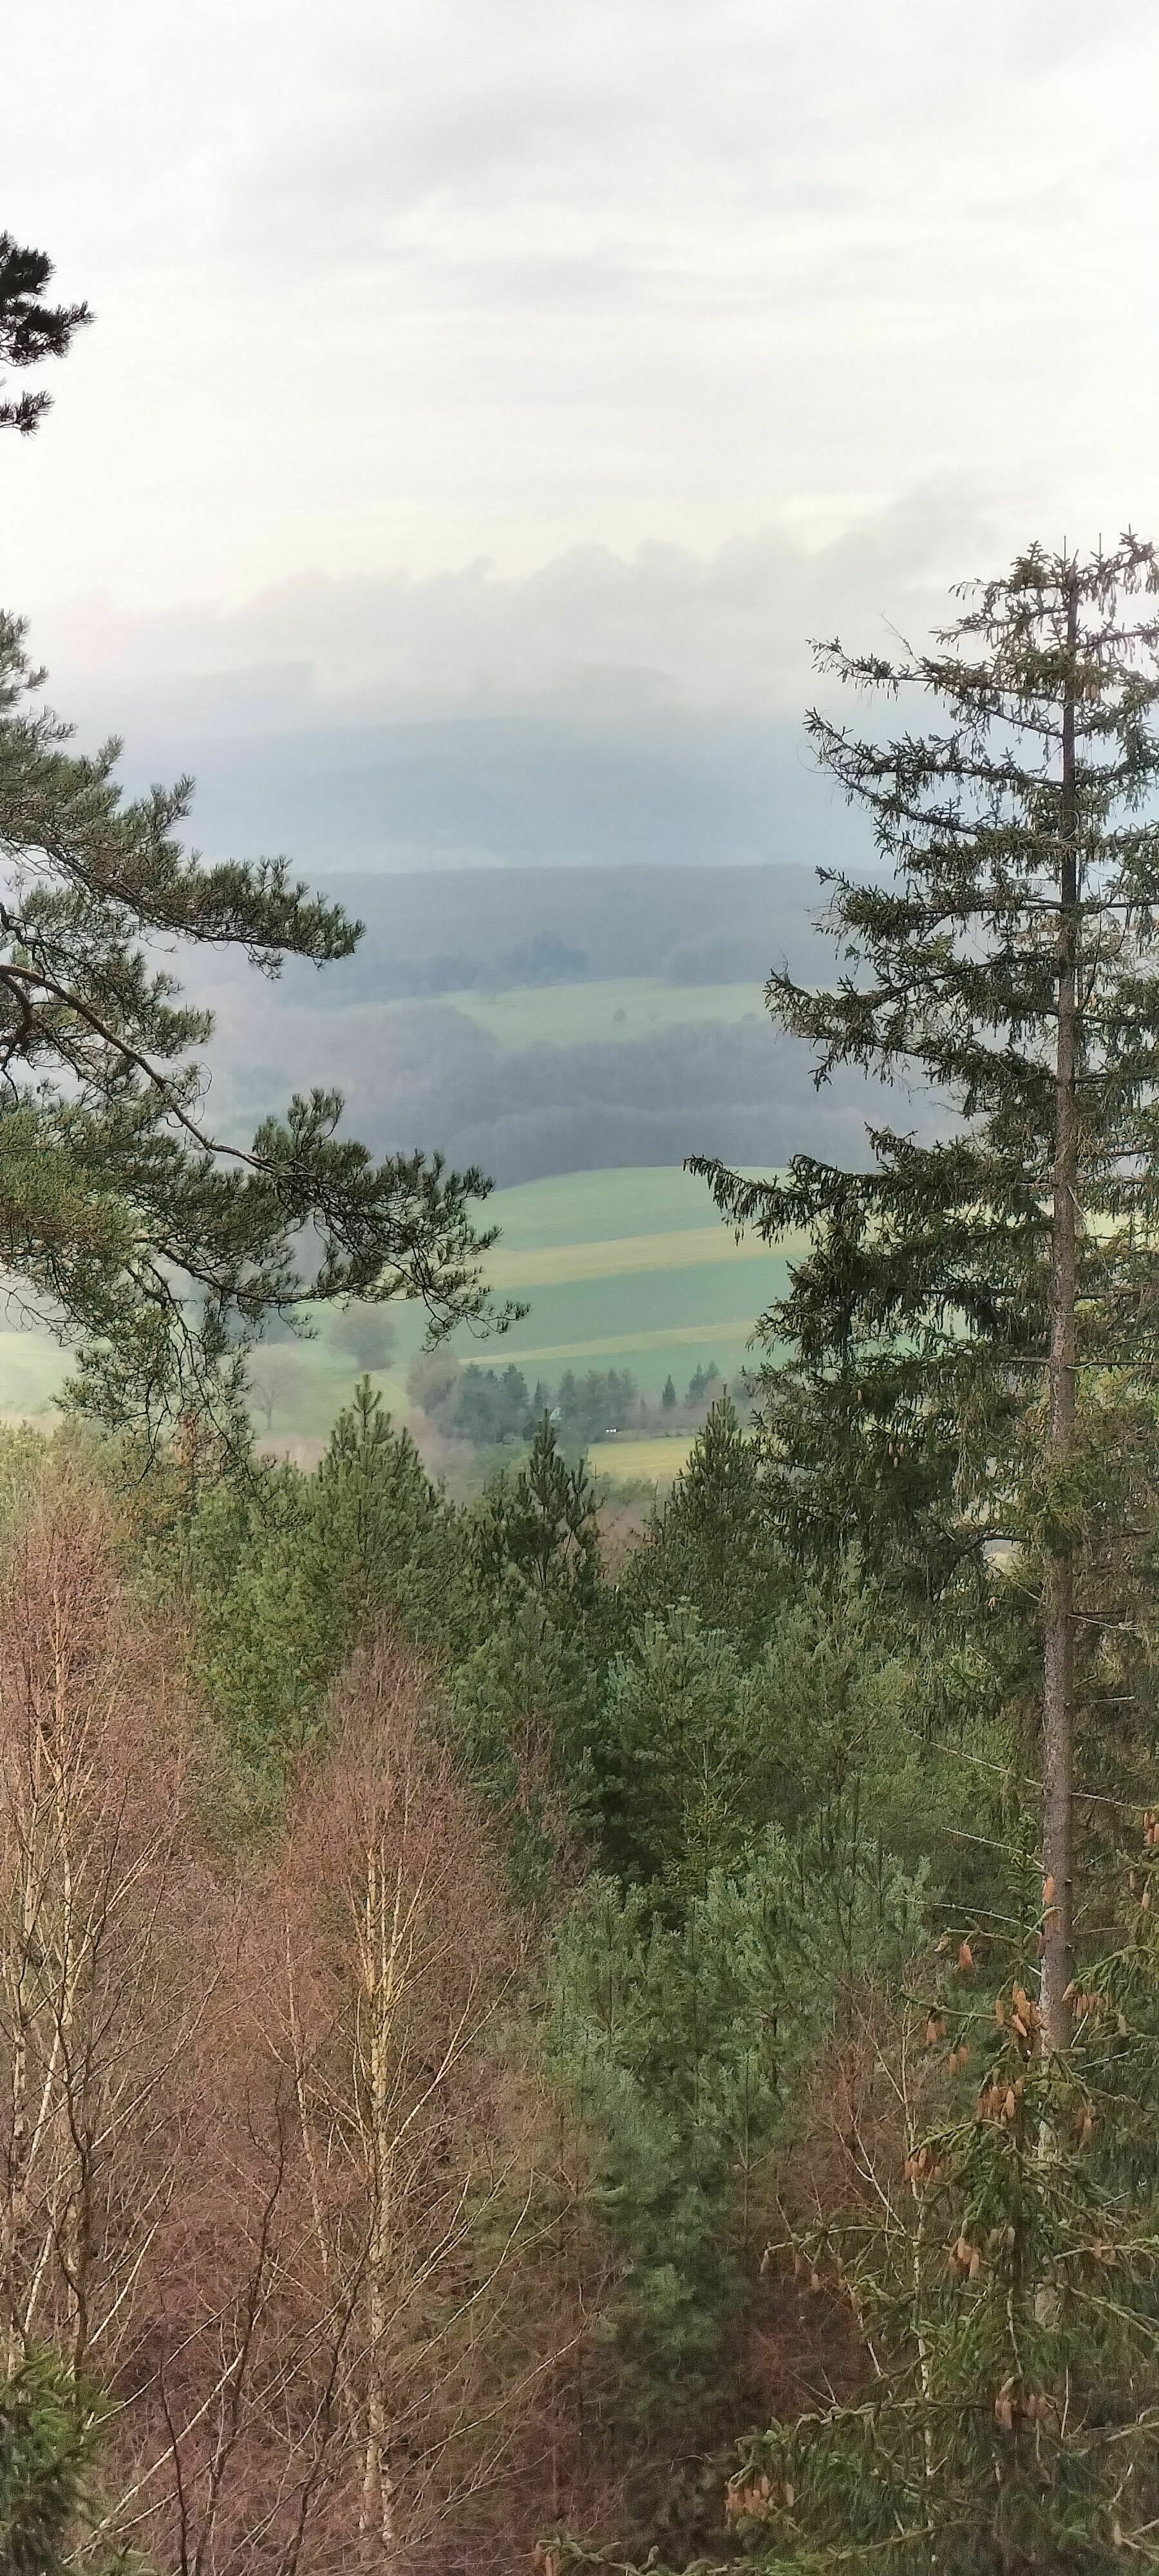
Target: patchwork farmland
(627, 1269)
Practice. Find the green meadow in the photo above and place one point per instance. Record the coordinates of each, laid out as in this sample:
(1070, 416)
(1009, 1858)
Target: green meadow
(635, 1007)
(601, 1207)
(600, 1013)
(625, 1269)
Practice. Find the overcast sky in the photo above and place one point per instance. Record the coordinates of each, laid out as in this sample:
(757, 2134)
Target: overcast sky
(570, 363)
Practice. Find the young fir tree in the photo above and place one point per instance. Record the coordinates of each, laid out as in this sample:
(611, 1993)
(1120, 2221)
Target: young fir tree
(712, 1542)
(537, 1532)
(288, 1573)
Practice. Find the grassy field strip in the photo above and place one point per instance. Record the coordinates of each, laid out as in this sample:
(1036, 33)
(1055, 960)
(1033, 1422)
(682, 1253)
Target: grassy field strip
(709, 1337)
(600, 1013)
(655, 1460)
(604, 1290)
(611, 1258)
(597, 1207)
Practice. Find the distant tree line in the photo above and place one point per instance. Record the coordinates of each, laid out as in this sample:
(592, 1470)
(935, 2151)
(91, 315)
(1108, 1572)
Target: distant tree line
(543, 959)
(534, 1112)
(494, 1407)
(459, 928)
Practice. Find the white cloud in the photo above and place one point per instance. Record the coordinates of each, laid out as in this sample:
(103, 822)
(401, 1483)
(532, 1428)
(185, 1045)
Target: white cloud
(591, 633)
(601, 708)
(407, 287)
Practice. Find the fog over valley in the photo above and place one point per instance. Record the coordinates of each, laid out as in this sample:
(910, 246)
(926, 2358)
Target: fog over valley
(575, 1019)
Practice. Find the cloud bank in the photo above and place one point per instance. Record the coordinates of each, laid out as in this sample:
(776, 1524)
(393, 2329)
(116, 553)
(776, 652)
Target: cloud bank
(600, 710)
(411, 286)
(545, 378)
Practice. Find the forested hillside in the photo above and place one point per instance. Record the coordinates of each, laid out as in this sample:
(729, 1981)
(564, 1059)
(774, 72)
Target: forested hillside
(548, 1021)
(530, 2036)
(435, 1940)
(447, 930)
(540, 2034)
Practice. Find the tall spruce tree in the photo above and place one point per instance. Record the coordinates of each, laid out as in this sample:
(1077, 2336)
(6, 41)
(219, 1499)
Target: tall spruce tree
(962, 1302)
(971, 1329)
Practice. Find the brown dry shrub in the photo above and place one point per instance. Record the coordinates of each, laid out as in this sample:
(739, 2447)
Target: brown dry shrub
(362, 2241)
(104, 1903)
(274, 2171)
(865, 2100)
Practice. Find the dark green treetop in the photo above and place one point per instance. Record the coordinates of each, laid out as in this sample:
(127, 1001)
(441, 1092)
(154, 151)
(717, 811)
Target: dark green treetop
(121, 1216)
(712, 1542)
(290, 1573)
(48, 2430)
(537, 1530)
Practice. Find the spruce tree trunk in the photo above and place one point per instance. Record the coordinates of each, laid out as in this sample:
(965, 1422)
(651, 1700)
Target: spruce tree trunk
(1058, 1588)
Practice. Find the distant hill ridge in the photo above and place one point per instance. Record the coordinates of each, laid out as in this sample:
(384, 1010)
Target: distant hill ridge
(592, 1061)
(453, 930)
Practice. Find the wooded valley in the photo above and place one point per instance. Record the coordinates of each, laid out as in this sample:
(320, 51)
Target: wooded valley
(540, 2036)
(525, 2039)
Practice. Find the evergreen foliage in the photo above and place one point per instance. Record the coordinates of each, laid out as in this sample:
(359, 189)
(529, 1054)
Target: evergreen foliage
(290, 1573)
(713, 1542)
(679, 2041)
(120, 1215)
(601, 1401)
(31, 330)
(999, 2252)
(971, 1361)
(491, 1407)
(536, 1531)
(47, 2442)
(524, 1714)
(833, 1734)
(917, 1326)
(960, 1301)
(525, 1695)
(690, 1774)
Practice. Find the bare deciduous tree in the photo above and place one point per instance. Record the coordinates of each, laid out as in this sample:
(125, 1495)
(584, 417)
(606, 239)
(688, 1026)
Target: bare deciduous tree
(101, 1916)
(270, 2159)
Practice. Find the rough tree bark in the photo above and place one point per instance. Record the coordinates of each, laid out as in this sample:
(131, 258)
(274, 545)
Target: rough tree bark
(1058, 1592)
